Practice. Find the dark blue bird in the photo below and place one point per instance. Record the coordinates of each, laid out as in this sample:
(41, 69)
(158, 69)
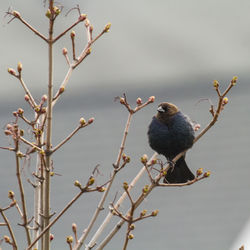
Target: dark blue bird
(170, 133)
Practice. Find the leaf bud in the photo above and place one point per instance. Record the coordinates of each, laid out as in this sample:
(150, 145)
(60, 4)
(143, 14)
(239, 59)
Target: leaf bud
(6, 239)
(207, 174)
(199, 172)
(145, 189)
(61, 90)
(12, 71)
(91, 120)
(91, 181)
(197, 126)
(125, 185)
(11, 194)
(16, 14)
(130, 236)
(19, 67)
(143, 212)
(20, 111)
(51, 237)
(107, 27)
(215, 84)
(51, 173)
(44, 98)
(74, 227)
(88, 51)
(225, 101)
(101, 189)
(155, 212)
(151, 99)
(7, 132)
(26, 98)
(48, 13)
(82, 121)
(69, 239)
(72, 34)
(56, 10)
(139, 101)
(82, 17)
(144, 159)
(132, 227)
(77, 184)
(65, 51)
(234, 80)
(122, 100)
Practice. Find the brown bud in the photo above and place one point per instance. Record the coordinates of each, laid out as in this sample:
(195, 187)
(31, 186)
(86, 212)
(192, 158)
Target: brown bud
(44, 98)
(15, 113)
(132, 227)
(43, 110)
(101, 189)
(122, 100)
(74, 227)
(82, 121)
(82, 17)
(20, 111)
(151, 99)
(61, 90)
(6, 239)
(65, 51)
(139, 101)
(143, 212)
(155, 212)
(26, 98)
(19, 67)
(91, 120)
(199, 172)
(52, 173)
(144, 159)
(16, 14)
(7, 132)
(12, 71)
(72, 34)
(234, 80)
(11, 194)
(51, 237)
(207, 174)
(88, 51)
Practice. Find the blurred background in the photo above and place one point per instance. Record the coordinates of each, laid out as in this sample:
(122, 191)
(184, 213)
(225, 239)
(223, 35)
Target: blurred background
(171, 49)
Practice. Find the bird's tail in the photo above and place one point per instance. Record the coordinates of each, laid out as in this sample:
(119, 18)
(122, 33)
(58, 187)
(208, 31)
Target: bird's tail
(180, 173)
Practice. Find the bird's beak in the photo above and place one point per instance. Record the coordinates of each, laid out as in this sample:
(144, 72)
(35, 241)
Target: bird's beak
(160, 109)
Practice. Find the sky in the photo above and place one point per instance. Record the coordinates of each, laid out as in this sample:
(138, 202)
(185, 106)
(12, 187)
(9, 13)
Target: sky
(153, 46)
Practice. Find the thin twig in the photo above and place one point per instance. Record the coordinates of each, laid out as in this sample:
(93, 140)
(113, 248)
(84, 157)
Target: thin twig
(19, 179)
(14, 243)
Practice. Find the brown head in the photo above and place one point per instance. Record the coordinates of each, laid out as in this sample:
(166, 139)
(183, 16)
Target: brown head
(165, 111)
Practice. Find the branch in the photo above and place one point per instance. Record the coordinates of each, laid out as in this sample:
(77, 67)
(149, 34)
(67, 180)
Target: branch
(17, 15)
(159, 176)
(82, 125)
(14, 244)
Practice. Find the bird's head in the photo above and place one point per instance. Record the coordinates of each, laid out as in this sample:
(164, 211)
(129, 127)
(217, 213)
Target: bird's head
(165, 111)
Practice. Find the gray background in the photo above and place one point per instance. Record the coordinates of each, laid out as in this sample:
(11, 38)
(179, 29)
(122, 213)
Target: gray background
(170, 49)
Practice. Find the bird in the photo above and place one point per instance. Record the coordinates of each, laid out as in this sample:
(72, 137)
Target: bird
(170, 133)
